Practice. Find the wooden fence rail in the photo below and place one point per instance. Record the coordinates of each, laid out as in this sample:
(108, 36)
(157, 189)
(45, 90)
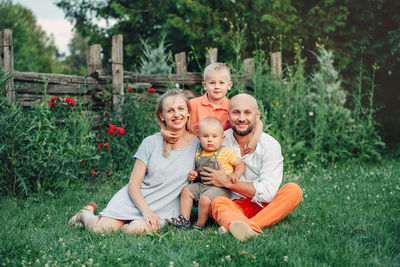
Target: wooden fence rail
(27, 87)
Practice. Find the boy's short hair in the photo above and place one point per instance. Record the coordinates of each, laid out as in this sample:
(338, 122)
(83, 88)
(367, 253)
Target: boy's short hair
(216, 66)
(213, 121)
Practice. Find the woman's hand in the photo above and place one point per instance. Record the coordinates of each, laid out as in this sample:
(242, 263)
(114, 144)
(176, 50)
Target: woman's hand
(153, 222)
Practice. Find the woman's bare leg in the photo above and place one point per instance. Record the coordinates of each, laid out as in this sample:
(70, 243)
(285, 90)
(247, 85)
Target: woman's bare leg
(136, 227)
(99, 224)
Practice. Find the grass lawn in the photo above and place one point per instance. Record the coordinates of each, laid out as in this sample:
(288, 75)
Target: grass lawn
(349, 216)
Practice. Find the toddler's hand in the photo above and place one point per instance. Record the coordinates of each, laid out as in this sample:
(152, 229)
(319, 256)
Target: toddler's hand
(233, 178)
(169, 136)
(193, 175)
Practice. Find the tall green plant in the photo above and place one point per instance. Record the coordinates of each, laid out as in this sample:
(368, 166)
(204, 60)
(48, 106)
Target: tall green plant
(41, 151)
(154, 60)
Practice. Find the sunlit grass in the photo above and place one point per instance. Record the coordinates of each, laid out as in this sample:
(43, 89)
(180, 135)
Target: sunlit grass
(349, 216)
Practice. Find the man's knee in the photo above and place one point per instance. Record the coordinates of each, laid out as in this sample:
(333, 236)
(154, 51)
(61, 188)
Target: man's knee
(294, 190)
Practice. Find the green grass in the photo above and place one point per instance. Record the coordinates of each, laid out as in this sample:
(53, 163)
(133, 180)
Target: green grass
(349, 216)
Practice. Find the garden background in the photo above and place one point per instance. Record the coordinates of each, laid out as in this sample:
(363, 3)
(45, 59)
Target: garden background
(334, 109)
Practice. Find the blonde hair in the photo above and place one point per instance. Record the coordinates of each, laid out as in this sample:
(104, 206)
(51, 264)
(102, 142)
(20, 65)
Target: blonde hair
(216, 66)
(159, 109)
(211, 121)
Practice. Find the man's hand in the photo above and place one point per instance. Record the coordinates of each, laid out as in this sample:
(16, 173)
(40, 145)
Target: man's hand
(169, 136)
(217, 178)
(193, 175)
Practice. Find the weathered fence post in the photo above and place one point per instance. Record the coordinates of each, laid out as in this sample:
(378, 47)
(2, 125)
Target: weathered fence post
(117, 67)
(248, 65)
(7, 62)
(180, 61)
(211, 56)
(276, 63)
(93, 58)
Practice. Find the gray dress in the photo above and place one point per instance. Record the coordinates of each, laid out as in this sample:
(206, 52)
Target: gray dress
(162, 184)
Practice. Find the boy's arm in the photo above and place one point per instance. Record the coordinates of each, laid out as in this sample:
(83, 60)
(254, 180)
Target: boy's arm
(169, 136)
(239, 170)
(252, 144)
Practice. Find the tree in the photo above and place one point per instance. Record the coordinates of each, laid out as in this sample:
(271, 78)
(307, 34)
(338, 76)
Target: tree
(33, 49)
(76, 61)
(238, 27)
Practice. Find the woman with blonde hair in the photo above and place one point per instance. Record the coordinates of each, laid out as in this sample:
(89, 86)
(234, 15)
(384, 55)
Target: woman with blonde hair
(157, 178)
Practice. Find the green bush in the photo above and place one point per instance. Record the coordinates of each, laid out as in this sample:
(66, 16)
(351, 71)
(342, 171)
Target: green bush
(136, 116)
(311, 116)
(39, 152)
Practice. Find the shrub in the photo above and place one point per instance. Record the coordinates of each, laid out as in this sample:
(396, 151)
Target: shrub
(311, 116)
(136, 116)
(155, 60)
(39, 152)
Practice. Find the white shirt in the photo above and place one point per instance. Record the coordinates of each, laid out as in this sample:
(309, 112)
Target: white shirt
(264, 167)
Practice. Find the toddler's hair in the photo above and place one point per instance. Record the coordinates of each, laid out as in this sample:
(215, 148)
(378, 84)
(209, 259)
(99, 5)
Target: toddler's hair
(216, 66)
(211, 121)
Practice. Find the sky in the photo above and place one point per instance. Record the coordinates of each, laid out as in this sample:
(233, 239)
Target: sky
(51, 19)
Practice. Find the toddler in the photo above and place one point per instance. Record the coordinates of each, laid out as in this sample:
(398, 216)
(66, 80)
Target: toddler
(211, 137)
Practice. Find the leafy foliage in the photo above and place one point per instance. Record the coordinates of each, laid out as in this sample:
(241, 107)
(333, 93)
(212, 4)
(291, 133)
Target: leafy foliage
(154, 60)
(33, 49)
(40, 151)
(309, 115)
(342, 25)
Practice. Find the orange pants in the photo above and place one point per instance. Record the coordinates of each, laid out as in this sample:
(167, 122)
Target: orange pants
(225, 211)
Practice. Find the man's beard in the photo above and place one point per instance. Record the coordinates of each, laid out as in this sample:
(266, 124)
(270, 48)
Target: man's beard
(245, 132)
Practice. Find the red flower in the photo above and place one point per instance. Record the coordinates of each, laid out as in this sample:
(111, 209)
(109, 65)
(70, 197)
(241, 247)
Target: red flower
(70, 101)
(50, 104)
(111, 129)
(121, 130)
(53, 99)
(130, 89)
(151, 90)
(109, 172)
(93, 172)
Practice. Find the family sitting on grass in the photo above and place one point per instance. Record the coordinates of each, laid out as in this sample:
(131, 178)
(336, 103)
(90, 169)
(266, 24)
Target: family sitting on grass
(235, 175)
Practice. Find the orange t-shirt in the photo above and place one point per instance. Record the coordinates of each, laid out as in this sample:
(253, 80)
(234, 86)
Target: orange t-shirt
(201, 108)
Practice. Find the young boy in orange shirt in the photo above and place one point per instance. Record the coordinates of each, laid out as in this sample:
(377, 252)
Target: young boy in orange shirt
(214, 103)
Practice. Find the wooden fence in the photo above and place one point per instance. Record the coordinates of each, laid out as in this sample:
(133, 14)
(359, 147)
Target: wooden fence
(27, 88)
